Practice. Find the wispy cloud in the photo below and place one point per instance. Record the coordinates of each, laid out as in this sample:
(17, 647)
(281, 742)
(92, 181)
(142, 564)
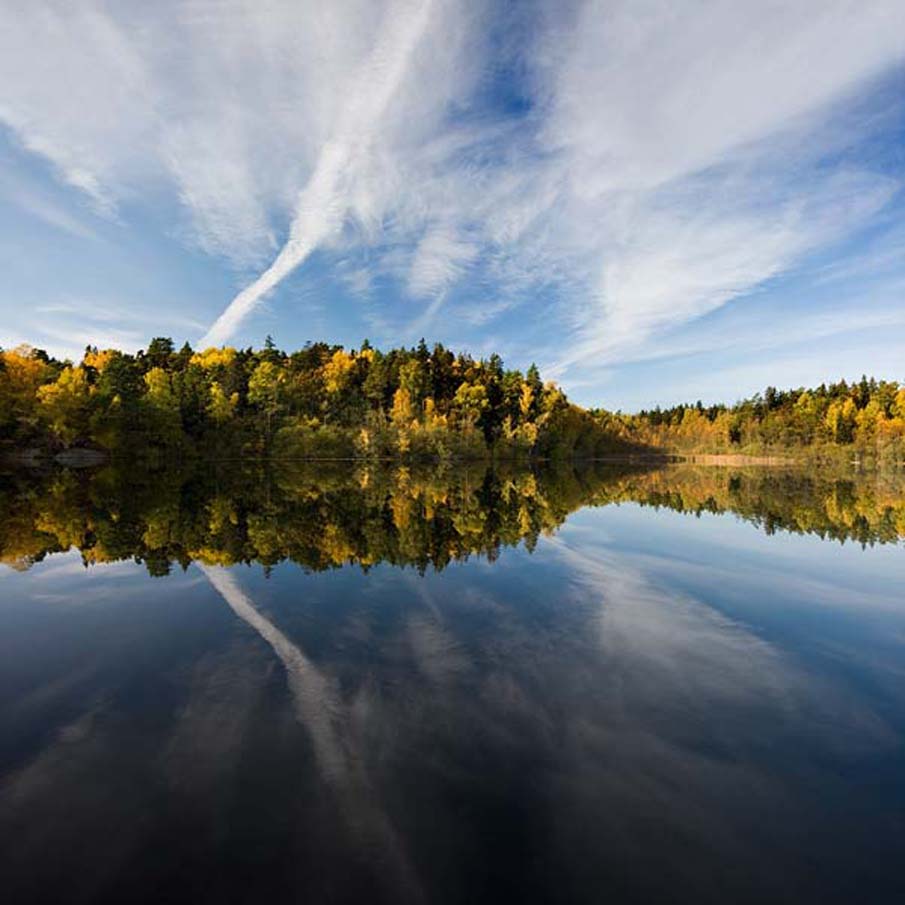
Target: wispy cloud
(678, 258)
(622, 167)
(326, 199)
(69, 324)
(38, 205)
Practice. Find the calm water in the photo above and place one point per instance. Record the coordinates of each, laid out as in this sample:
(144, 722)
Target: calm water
(684, 685)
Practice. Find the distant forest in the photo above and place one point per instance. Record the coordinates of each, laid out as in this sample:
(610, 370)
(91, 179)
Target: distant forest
(865, 419)
(422, 403)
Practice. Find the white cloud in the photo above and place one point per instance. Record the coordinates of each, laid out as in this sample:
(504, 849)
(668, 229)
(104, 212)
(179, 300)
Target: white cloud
(70, 323)
(670, 159)
(647, 92)
(36, 202)
(672, 261)
(692, 147)
(439, 260)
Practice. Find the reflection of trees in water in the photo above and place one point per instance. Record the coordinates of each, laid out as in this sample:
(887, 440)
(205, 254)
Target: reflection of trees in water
(865, 507)
(326, 516)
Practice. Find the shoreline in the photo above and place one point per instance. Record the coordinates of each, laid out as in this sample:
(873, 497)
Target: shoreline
(736, 459)
(88, 458)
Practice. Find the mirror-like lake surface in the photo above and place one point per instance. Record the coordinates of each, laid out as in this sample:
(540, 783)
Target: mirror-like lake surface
(342, 685)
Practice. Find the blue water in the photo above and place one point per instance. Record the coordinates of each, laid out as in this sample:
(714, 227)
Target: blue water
(651, 706)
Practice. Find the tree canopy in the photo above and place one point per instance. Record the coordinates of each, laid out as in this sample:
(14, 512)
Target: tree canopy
(866, 418)
(325, 401)
(322, 401)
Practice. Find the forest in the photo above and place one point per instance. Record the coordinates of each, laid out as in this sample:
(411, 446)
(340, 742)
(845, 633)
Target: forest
(861, 420)
(322, 401)
(407, 404)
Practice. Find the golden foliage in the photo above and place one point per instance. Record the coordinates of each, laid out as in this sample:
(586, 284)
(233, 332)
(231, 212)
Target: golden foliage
(214, 357)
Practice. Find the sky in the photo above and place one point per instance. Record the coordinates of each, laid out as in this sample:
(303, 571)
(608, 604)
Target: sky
(654, 201)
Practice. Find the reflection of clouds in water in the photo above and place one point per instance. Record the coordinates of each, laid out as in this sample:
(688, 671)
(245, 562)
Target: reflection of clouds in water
(54, 811)
(438, 655)
(787, 579)
(332, 727)
(858, 611)
(316, 700)
(79, 729)
(51, 567)
(673, 656)
(226, 688)
(571, 703)
(691, 729)
(64, 566)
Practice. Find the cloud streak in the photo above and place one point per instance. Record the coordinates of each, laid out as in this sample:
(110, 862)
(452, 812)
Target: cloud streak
(614, 169)
(323, 203)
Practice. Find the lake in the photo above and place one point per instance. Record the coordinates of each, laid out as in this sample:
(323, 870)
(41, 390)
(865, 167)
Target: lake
(341, 684)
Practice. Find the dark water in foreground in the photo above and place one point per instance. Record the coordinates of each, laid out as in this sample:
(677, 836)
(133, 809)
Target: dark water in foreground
(684, 685)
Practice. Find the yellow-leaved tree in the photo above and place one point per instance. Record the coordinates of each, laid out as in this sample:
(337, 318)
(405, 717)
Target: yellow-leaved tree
(220, 407)
(64, 405)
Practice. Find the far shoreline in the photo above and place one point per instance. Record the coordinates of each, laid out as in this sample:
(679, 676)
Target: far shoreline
(92, 458)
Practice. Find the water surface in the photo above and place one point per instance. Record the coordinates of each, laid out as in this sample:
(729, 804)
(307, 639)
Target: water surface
(347, 685)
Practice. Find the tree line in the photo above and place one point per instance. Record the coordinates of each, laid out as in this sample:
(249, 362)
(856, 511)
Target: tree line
(322, 401)
(865, 418)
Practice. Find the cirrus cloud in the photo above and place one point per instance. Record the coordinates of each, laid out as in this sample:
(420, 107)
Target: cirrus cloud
(621, 168)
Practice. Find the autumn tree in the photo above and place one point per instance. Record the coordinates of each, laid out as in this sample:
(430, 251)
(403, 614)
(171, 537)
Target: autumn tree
(64, 405)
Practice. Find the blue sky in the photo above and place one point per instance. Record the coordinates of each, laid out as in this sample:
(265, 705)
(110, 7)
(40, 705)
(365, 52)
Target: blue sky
(653, 201)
